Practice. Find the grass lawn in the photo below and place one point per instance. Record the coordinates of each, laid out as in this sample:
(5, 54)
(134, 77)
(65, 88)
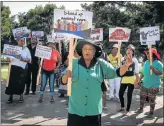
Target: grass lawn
(4, 66)
(4, 74)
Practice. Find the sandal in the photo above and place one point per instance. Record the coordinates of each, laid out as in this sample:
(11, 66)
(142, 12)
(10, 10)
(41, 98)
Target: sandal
(139, 111)
(120, 110)
(10, 100)
(40, 99)
(21, 100)
(52, 100)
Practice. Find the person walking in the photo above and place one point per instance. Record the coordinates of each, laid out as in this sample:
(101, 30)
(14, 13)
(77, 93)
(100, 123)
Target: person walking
(129, 80)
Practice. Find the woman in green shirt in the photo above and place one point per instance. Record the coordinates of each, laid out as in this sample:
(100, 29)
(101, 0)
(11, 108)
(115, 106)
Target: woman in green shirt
(88, 73)
(151, 83)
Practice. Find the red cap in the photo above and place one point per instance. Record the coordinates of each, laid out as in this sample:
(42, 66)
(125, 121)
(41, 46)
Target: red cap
(154, 51)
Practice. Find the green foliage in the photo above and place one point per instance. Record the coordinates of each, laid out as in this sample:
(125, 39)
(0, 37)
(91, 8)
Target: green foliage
(5, 22)
(133, 15)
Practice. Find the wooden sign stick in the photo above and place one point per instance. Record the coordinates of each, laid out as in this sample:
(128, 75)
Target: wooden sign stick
(150, 56)
(118, 54)
(9, 68)
(75, 44)
(39, 72)
(59, 46)
(71, 52)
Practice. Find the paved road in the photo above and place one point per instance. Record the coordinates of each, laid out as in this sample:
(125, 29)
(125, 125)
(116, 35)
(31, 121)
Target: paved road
(33, 113)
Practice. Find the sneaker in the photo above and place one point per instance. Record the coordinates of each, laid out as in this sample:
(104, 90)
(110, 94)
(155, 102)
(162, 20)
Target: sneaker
(111, 99)
(27, 93)
(21, 99)
(126, 113)
(117, 99)
(33, 93)
(52, 100)
(10, 100)
(40, 99)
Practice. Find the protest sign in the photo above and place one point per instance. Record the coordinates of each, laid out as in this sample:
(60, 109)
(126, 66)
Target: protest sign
(37, 34)
(51, 38)
(58, 36)
(74, 24)
(119, 34)
(43, 52)
(96, 35)
(12, 51)
(146, 43)
(149, 34)
(21, 32)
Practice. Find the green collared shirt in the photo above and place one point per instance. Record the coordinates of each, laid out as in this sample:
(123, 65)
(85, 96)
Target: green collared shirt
(86, 95)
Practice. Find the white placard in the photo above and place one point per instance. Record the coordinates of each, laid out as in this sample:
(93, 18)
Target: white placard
(12, 51)
(58, 36)
(146, 43)
(21, 32)
(37, 34)
(119, 34)
(96, 35)
(43, 52)
(149, 34)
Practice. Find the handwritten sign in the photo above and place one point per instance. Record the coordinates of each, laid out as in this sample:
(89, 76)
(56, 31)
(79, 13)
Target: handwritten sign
(119, 34)
(43, 52)
(150, 34)
(146, 43)
(21, 32)
(96, 35)
(37, 34)
(12, 51)
(58, 36)
(73, 22)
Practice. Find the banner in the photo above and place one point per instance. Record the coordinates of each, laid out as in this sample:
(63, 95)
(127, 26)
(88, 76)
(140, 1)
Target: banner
(37, 34)
(119, 34)
(96, 35)
(43, 52)
(21, 32)
(12, 51)
(149, 34)
(73, 23)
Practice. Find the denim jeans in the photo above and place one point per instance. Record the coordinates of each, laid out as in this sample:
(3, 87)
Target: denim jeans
(45, 76)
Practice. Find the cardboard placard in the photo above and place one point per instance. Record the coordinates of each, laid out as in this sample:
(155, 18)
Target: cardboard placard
(12, 51)
(119, 34)
(21, 32)
(43, 52)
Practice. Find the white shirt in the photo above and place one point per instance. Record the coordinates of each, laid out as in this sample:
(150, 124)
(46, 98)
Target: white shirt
(24, 54)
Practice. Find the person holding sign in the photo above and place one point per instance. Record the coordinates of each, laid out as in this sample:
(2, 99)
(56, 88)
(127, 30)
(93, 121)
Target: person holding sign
(48, 69)
(32, 68)
(18, 73)
(130, 79)
(88, 73)
(151, 83)
(114, 83)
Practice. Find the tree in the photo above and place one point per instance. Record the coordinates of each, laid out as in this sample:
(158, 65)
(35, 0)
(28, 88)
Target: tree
(5, 23)
(133, 15)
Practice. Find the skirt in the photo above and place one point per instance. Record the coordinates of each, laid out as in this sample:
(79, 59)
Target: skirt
(76, 120)
(17, 81)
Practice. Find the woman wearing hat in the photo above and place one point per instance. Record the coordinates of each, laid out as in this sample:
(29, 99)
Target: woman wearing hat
(151, 83)
(88, 73)
(18, 73)
(130, 79)
(48, 69)
(114, 83)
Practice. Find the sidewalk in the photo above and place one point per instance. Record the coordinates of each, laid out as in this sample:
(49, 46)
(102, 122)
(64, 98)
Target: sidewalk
(33, 113)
